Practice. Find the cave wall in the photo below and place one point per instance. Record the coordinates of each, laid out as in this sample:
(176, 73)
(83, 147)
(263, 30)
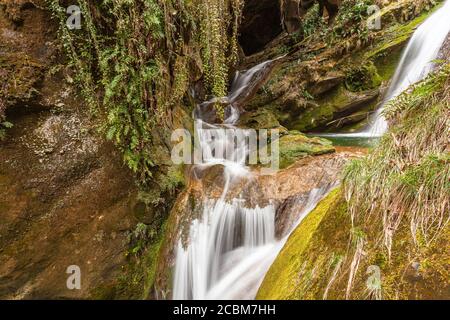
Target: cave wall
(261, 23)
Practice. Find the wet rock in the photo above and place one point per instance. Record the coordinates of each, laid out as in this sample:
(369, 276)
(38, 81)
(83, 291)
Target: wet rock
(306, 91)
(143, 213)
(259, 119)
(65, 192)
(332, 109)
(26, 46)
(292, 15)
(295, 145)
(60, 188)
(326, 83)
(210, 177)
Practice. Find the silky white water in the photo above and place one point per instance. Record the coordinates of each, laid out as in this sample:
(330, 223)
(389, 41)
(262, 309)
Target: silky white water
(230, 250)
(226, 233)
(415, 64)
(209, 136)
(231, 246)
(225, 227)
(245, 267)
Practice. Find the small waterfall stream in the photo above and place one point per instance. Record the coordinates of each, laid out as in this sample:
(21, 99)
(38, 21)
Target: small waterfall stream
(230, 250)
(244, 267)
(226, 231)
(415, 64)
(232, 245)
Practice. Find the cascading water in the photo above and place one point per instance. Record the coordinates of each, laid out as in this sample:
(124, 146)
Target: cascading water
(226, 232)
(231, 249)
(224, 227)
(415, 65)
(232, 245)
(245, 267)
(416, 62)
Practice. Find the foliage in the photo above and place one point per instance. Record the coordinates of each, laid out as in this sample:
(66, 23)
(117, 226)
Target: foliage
(214, 21)
(139, 238)
(388, 238)
(132, 60)
(174, 178)
(351, 19)
(362, 78)
(312, 23)
(145, 243)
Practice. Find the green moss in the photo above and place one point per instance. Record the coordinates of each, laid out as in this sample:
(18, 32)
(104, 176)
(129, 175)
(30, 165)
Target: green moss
(363, 77)
(262, 118)
(135, 68)
(151, 259)
(313, 118)
(332, 104)
(296, 145)
(387, 65)
(396, 36)
(282, 277)
(173, 180)
(317, 258)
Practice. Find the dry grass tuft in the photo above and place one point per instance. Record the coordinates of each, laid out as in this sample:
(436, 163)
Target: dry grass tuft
(408, 175)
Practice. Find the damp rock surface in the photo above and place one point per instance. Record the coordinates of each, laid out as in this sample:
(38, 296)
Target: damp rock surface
(65, 193)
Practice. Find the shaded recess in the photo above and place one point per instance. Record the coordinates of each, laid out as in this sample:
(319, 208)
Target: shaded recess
(261, 23)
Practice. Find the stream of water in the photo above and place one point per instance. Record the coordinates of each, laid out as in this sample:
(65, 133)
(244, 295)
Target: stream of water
(229, 238)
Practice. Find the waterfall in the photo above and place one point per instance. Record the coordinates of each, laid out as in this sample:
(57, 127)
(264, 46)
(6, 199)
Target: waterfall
(233, 162)
(231, 246)
(226, 232)
(415, 64)
(246, 267)
(230, 250)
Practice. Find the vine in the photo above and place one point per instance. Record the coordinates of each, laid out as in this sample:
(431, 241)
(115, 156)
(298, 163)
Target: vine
(214, 20)
(132, 60)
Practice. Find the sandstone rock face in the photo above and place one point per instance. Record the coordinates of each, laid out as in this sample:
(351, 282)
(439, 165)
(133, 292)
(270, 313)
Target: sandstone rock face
(66, 199)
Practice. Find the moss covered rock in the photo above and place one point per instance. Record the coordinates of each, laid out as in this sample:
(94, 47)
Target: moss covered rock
(281, 280)
(335, 110)
(296, 145)
(261, 118)
(383, 241)
(327, 258)
(363, 78)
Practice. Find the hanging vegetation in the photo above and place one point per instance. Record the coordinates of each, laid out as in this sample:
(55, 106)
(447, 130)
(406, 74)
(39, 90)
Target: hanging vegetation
(132, 60)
